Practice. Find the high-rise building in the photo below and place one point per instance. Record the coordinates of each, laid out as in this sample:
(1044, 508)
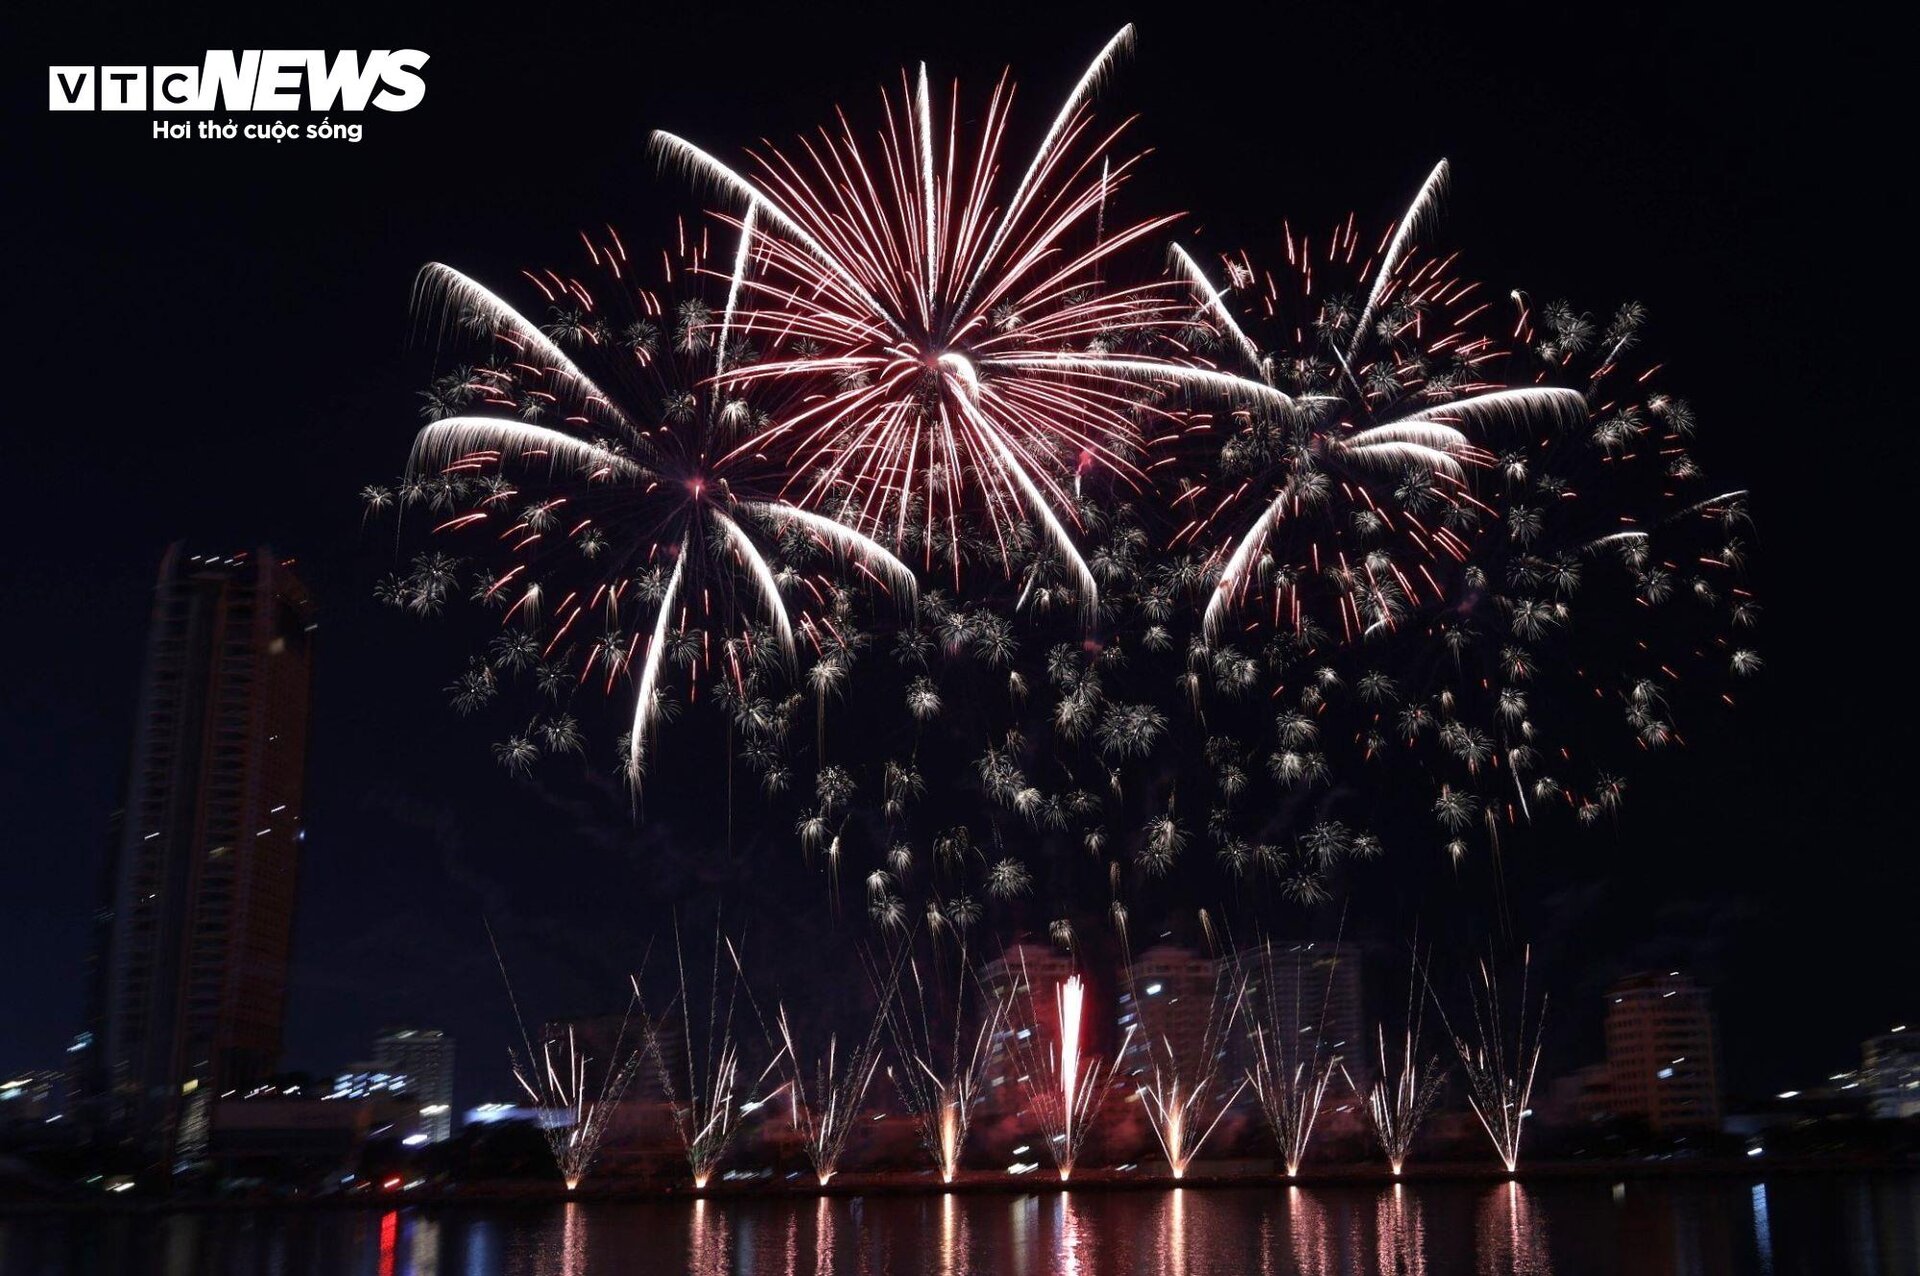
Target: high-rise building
(424, 1058)
(192, 939)
(1662, 1057)
(1168, 1006)
(1308, 994)
(1890, 1067)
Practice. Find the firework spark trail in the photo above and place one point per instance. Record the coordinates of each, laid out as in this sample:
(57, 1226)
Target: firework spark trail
(1500, 1066)
(702, 1078)
(943, 1077)
(1418, 215)
(1065, 1087)
(825, 1107)
(1290, 1081)
(1071, 1002)
(1400, 1099)
(1186, 1098)
(574, 1115)
(945, 334)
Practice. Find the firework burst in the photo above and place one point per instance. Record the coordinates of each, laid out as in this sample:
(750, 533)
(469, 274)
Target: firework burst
(964, 356)
(620, 537)
(1455, 480)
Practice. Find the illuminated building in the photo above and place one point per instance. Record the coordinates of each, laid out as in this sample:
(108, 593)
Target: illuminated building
(1890, 1069)
(423, 1057)
(1662, 1057)
(1175, 991)
(32, 1098)
(1316, 994)
(189, 963)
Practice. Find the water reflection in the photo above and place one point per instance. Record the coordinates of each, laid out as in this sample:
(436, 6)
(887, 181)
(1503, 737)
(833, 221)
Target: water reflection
(1400, 1236)
(1313, 1250)
(1022, 1228)
(822, 1238)
(483, 1249)
(953, 1236)
(1073, 1248)
(1762, 1230)
(1173, 1233)
(1512, 1235)
(1715, 1227)
(183, 1244)
(707, 1240)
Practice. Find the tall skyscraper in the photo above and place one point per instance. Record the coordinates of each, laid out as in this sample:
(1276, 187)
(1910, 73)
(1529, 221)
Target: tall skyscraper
(1168, 1007)
(424, 1056)
(1309, 993)
(1662, 1060)
(193, 935)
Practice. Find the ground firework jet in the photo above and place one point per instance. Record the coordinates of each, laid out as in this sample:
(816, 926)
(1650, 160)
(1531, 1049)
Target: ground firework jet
(1064, 1085)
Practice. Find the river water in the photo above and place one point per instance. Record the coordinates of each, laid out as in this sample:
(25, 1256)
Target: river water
(1835, 1226)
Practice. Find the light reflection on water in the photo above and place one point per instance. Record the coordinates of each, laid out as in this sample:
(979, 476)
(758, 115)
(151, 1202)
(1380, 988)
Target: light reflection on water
(1399, 1237)
(1719, 1227)
(1511, 1234)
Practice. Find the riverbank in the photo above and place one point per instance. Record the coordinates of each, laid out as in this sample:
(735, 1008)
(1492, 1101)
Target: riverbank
(517, 1192)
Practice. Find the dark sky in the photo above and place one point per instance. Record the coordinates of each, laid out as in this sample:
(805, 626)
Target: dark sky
(211, 342)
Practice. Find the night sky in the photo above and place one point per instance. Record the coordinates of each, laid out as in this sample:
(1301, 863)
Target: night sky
(211, 341)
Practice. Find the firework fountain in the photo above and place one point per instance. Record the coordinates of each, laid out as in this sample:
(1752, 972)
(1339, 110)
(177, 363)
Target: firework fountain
(1292, 1066)
(574, 1113)
(575, 1116)
(1401, 1097)
(943, 1070)
(824, 1100)
(1185, 1094)
(1501, 1064)
(1064, 1085)
(700, 1073)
